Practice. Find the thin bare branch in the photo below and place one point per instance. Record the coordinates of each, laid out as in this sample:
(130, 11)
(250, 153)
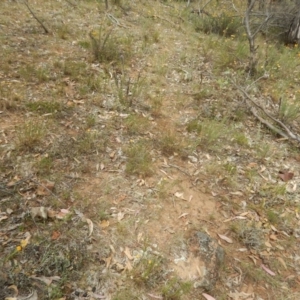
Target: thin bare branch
(38, 20)
(284, 131)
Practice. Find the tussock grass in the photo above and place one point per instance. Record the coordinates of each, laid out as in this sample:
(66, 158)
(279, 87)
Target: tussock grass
(31, 135)
(136, 124)
(148, 272)
(139, 161)
(250, 235)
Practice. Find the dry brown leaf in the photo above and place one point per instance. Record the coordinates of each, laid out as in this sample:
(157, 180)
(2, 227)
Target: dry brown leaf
(45, 188)
(3, 218)
(285, 175)
(273, 228)
(104, 224)
(14, 288)
(280, 247)
(49, 185)
(268, 244)
(242, 249)
(244, 213)
(108, 261)
(253, 258)
(154, 296)
(55, 235)
(32, 296)
(40, 211)
(225, 238)
(51, 213)
(62, 214)
(282, 262)
(91, 226)
(121, 198)
(139, 237)
(13, 182)
(128, 254)
(128, 265)
(46, 280)
(252, 165)
(179, 195)
(183, 215)
(120, 216)
(241, 296)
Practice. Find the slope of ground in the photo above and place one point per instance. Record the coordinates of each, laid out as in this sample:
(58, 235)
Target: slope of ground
(121, 136)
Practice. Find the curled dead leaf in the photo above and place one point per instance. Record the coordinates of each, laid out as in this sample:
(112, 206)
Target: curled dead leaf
(104, 223)
(40, 211)
(285, 175)
(55, 235)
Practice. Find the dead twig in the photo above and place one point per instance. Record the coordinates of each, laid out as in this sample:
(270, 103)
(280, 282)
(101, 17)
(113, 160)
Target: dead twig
(163, 19)
(6, 190)
(115, 20)
(284, 131)
(180, 169)
(33, 14)
(43, 186)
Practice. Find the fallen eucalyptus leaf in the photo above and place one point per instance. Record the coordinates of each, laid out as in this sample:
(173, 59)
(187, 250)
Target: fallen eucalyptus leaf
(208, 297)
(268, 270)
(225, 238)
